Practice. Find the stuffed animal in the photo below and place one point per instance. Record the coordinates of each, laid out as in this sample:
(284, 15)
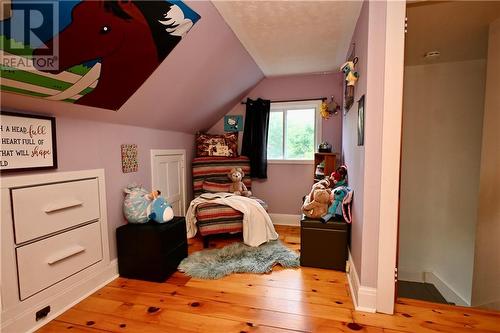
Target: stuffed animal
(319, 205)
(237, 187)
(160, 210)
(338, 196)
(322, 184)
(351, 76)
(339, 176)
(138, 205)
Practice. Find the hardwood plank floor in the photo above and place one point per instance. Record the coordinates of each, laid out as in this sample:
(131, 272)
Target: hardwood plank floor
(287, 300)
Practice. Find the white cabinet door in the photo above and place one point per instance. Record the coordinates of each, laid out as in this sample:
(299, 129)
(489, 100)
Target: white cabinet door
(168, 177)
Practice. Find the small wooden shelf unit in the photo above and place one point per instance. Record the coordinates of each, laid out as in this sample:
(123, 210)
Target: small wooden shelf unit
(330, 160)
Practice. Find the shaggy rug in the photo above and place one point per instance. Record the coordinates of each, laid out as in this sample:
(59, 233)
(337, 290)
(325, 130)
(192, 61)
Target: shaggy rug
(238, 258)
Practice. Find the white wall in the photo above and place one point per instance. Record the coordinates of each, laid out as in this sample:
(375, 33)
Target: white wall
(486, 290)
(442, 126)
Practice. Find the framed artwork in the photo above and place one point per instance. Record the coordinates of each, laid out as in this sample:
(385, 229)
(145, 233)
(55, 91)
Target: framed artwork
(60, 55)
(361, 121)
(28, 142)
(233, 123)
(129, 158)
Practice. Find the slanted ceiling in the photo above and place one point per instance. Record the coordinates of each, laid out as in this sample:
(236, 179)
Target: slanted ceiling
(293, 37)
(200, 80)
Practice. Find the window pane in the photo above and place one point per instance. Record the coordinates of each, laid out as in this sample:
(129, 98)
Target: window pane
(300, 134)
(275, 136)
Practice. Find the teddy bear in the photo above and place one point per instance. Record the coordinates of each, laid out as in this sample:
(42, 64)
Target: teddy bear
(319, 205)
(237, 187)
(322, 184)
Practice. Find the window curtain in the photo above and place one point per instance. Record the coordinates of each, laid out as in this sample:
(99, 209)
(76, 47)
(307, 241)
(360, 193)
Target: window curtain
(255, 136)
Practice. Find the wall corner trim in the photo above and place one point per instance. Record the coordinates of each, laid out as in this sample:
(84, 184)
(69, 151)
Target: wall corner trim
(364, 298)
(285, 219)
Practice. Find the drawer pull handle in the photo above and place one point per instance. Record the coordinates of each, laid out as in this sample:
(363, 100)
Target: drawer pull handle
(65, 254)
(61, 206)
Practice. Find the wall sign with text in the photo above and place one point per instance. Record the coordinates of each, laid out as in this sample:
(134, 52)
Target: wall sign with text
(27, 142)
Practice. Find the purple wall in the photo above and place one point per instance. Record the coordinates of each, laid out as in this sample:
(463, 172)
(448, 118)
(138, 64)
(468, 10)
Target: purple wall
(287, 183)
(354, 155)
(85, 144)
(365, 163)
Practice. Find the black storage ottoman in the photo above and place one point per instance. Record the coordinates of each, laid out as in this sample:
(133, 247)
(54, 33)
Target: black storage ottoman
(151, 251)
(324, 245)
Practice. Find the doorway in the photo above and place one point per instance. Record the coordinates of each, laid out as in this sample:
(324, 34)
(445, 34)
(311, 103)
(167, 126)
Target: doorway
(168, 174)
(449, 223)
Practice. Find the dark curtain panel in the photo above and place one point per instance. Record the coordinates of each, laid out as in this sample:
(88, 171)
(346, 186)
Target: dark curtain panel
(255, 136)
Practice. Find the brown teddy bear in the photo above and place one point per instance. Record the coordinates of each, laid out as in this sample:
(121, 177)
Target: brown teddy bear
(322, 184)
(237, 187)
(319, 205)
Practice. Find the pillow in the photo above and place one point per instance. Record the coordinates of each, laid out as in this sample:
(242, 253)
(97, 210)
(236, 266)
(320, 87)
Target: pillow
(216, 184)
(225, 145)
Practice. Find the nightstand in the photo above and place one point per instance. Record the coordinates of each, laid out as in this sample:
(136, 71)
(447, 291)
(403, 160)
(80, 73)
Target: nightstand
(151, 251)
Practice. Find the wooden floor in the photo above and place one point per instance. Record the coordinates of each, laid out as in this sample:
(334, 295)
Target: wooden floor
(300, 300)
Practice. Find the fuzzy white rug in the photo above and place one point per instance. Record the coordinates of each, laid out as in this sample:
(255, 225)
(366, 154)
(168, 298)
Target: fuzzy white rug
(238, 258)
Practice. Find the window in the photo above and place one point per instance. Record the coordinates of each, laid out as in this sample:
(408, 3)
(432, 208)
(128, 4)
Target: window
(294, 131)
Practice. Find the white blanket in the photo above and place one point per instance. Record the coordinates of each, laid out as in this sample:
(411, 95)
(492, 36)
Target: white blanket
(257, 225)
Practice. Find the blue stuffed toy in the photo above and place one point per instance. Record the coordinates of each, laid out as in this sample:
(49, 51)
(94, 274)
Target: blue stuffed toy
(160, 210)
(140, 206)
(338, 196)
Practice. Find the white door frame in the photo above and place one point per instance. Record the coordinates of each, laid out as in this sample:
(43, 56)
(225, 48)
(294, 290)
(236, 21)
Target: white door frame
(391, 155)
(171, 152)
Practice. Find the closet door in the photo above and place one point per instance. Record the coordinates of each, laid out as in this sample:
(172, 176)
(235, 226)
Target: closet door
(168, 173)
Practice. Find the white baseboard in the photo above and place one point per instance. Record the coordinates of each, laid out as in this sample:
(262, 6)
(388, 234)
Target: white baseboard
(445, 289)
(364, 298)
(442, 286)
(286, 219)
(65, 300)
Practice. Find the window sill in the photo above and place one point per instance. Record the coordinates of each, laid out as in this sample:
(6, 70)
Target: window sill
(308, 162)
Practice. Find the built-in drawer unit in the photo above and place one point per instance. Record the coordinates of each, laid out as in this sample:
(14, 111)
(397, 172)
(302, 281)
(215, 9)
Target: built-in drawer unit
(55, 246)
(48, 261)
(45, 209)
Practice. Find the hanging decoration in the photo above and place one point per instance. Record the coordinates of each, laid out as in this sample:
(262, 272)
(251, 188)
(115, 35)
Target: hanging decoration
(327, 109)
(351, 77)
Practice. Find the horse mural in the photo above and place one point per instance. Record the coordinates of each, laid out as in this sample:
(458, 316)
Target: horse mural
(118, 43)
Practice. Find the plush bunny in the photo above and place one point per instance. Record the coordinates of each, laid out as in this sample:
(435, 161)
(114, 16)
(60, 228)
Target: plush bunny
(237, 187)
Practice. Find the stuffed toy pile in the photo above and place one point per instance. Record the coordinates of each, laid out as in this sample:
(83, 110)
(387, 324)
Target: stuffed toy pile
(140, 206)
(323, 203)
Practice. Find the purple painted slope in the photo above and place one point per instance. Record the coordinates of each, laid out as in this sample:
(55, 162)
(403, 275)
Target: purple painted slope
(199, 82)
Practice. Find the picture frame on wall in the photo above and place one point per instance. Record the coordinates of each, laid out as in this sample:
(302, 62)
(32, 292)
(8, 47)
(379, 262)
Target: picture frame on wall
(361, 121)
(233, 123)
(28, 142)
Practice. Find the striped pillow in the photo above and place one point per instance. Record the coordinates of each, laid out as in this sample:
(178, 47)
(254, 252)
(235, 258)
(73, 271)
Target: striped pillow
(216, 184)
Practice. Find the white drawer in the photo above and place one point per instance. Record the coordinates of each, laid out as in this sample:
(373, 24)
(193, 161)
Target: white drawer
(46, 262)
(41, 210)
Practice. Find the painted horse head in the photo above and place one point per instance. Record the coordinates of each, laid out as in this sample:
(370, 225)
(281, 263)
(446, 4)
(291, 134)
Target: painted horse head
(129, 38)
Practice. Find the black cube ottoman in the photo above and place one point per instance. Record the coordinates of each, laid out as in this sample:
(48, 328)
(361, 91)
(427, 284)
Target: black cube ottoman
(151, 251)
(324, 245)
